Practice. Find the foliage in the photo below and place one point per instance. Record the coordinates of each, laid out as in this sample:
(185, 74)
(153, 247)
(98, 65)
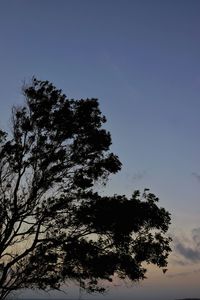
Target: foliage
(54, 226)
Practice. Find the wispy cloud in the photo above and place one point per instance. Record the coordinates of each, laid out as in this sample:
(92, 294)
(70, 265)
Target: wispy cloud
(180, 274)
(189, 248)
(196, 175)
(188, 253)
(137, 176)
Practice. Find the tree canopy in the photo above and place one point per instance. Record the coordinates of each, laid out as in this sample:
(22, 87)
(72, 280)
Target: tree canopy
(54, 225)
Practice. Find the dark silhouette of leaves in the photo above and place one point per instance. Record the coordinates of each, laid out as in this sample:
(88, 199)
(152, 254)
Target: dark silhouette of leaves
(54, 226)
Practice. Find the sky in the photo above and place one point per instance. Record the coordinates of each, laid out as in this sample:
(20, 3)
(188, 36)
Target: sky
(141, 59)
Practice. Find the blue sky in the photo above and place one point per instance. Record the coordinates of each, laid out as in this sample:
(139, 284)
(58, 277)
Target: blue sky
(142, 60)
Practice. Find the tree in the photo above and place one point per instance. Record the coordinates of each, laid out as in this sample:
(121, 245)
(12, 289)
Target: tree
(54, 225)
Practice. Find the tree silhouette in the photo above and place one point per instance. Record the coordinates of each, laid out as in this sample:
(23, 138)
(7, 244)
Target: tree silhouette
(54, 225)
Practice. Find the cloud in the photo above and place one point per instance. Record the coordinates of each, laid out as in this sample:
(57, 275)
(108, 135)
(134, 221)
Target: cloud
(189, 249)
(183, 273)
(196, 175)
(180, 262)
(196, 236)
(137, 176)
(188, 252)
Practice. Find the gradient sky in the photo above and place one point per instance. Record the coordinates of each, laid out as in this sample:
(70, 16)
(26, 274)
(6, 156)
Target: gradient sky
(142, 60)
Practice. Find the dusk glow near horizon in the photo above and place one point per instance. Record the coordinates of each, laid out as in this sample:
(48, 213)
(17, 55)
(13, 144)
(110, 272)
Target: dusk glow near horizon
(141, 59)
